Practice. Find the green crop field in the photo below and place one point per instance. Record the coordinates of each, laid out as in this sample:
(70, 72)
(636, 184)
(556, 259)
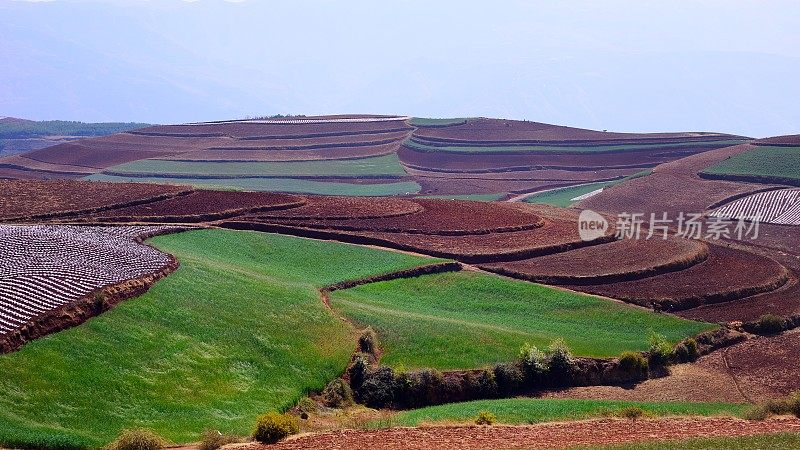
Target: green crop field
(474, 197)
(466, 320)
(387, 165)
(769, 162)
(292, 185)
(563, 197)
(532, 410)
(772, 441)
(567, 149)
(238, 330)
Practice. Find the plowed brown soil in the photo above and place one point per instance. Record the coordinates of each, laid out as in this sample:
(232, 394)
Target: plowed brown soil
(547, 435)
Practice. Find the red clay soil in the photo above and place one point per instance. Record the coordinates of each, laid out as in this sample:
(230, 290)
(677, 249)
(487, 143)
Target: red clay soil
(470, 186)
(582, 176)
(202, 206)
(25, 162)
(338, 208)
(39, 199)
(439, 217)
(20, 173)
(270, 130)
(766, 366)
(546, 435)
(620, 260)
(500, 130)
(727, 274)
(336, 153)
(316, 143)
(788, 140)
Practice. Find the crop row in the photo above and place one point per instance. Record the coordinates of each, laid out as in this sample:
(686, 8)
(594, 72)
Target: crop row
(779, 206)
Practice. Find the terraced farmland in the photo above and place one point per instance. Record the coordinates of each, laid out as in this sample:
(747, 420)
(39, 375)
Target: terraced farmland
(44, 268)
(762, 164)
(780, 207)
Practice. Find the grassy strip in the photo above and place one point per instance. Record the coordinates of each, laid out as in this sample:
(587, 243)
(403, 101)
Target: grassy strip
(567, 149)
(563, 196)
(465, 320)
(474, 197)
(239, 329)
(517, 411)
(291, 185)
(29, 129)
(772, 441)
(772, 162)
(376, 165)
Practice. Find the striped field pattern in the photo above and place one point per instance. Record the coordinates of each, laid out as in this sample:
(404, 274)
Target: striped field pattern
(780, 206)
(44, 267)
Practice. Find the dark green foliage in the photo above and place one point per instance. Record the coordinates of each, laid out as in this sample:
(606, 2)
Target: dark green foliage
(631, 412)
(509, 379)
(633, 363)
(139, 439)
(379, 387)
(788, 405)
(534, 363)
(307, 405)
(770, 324)
(358, 371)
(272, 427)
(337, 394)
(213, 439)
(686, 351)
(29, 129)
(368, 341)
(560, 361)
(422, 388)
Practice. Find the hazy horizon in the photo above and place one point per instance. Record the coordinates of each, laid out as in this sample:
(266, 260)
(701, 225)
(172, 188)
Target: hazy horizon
(621, 65)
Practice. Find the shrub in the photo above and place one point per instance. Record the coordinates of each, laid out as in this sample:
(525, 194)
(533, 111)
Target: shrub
(368, 341)
(794, 404)
(485, 418)
(358, 370)
(423, 388)
(757, 413)
(139, 439)
(509, 378)
(686, 351)
(306, 405)
(632, 412)
(633, 363)
(337, 394)
(378, 389)
(481, 385)
(534, 362)
(560, 359)
(769, 324)
(272, 427)
(660, 350)
(213, 439)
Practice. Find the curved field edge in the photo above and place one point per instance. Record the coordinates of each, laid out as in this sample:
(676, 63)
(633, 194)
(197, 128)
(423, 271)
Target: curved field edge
(467, 320)
(762, 164)
(519, 411)
(237, 330)
(772, 441)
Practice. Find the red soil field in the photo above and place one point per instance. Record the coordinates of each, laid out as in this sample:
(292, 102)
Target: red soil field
(268, 131)
(528, 175)
(621, 260)
(314, 142)
(36, 199)
(766, 366)
(437, 217)
(203, 205)
(336, 208)
(788, 140)
(499, 130)
(539, 436)
(335, 153)
(727, 274)
(459, 186)
(21, 163)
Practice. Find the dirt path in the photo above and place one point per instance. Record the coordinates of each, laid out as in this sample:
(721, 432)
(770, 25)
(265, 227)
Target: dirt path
(540, 436)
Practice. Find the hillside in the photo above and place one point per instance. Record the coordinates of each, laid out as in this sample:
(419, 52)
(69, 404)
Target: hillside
(365, 155)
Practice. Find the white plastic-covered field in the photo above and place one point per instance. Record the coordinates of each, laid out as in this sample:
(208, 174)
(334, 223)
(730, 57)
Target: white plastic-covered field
(43, 267)
(780, 206)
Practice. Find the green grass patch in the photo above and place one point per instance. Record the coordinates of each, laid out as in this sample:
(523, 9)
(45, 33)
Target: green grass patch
(769, 162)
(772, 441)
(518, 411)
(30, 129)
(568, 149)
(238, 330)
(429, 122)
(291, 185)
(464, 320)
(375, 166)
(474, 197)
(563, 197)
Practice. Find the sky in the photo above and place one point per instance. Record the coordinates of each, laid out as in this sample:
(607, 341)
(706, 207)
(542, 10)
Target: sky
(729, 66)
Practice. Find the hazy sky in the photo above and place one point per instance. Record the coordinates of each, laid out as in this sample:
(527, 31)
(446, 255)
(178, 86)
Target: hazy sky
(619, 65)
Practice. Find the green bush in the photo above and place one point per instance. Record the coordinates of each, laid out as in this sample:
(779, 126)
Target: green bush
(632, 412)
(307, 405)
(534, 361)
(788, 405)
(633, 363)
(424, 388)
(660, 350)
(759, 413)
(337, 394)
(485, 418)
(686, 351)
(358, 370)
(560, 359)
(213, 439)
(379, 388)
(481, 385)
(139, 439)
(770, 324)
(272, 427)
(368, 341)
(509, 379)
